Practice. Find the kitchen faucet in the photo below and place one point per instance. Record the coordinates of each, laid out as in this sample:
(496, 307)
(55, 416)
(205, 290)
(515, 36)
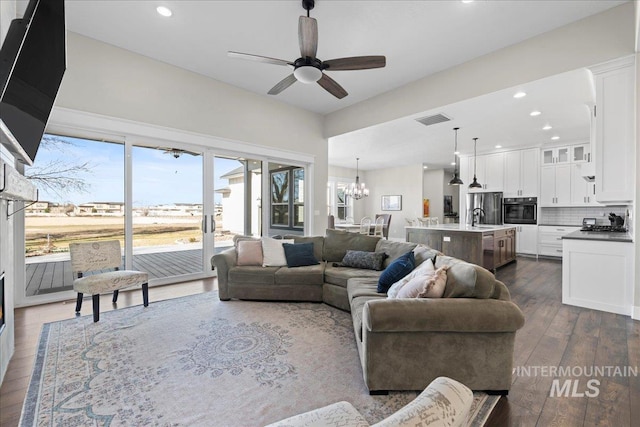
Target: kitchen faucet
(473, 216)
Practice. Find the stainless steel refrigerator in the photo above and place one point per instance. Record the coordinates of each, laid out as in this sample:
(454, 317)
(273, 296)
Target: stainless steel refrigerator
(487, 208)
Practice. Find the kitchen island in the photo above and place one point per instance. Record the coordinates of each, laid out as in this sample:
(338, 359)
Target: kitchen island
(490, 246)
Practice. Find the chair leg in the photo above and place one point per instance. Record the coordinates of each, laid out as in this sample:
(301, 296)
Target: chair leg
(96, 307)
(115, 296)
(145, 294)
(79, 302)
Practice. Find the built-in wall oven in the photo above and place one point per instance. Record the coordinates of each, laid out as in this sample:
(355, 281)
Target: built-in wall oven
(520, 210)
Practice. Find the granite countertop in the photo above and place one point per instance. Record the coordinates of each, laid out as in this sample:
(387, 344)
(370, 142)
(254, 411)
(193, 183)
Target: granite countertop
(600, 236)
(481, 228)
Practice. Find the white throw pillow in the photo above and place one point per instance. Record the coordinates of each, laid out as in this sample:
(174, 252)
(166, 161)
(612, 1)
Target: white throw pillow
(426, 268)
(273, 252)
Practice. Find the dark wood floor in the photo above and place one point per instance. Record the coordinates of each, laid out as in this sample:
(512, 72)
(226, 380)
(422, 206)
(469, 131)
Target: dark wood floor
(554, 335)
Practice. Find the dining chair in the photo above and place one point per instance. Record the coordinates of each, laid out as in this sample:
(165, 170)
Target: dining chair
(378, 229)
(94, 257)
(365, 225)
(348, 220)
(385, 227)
(331, 222)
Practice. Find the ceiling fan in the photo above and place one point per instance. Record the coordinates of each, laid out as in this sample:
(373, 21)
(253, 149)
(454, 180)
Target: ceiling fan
(308, 68)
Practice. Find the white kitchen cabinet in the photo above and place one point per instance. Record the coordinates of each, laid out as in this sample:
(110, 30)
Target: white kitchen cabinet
(521, 173)
(555, 185)
(527, 239)
(555, 155)
(581, 153)
(598, 275)
(614, 142)
(583, 193)
(489, 172)
(550, 239)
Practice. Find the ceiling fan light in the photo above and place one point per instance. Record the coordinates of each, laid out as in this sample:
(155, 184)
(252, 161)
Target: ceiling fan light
(307, 74)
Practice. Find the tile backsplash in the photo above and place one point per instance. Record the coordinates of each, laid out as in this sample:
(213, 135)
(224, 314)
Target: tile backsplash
(573, 216)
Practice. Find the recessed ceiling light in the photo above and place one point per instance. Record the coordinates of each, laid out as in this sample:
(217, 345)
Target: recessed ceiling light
(535, 113)
(467, 1)
(547, 127)
(520, 94)
(555, 137)
(453, 163)
(425, 167)
(498, 146)
(164, 11)
(456, 153)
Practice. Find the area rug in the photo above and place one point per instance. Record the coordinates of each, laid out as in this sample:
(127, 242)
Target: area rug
(197, 361)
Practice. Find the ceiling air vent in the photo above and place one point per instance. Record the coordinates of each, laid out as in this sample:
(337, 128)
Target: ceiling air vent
(432, 120)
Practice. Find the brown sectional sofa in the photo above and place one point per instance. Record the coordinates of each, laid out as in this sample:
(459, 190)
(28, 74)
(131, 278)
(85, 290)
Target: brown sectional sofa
(404, 344)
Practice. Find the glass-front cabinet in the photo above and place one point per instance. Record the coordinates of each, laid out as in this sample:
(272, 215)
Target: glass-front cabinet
(555, 155)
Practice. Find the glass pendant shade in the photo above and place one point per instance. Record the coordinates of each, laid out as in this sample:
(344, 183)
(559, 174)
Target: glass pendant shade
(456, 177)
(475, 183)
(357, 190)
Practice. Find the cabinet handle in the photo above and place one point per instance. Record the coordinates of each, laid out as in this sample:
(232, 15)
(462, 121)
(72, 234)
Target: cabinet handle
(594, 189)
(584, 200)
(558, 250)
(560, 229)
(588, 157)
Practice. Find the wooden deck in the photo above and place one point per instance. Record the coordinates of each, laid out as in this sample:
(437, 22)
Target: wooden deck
(48, 277)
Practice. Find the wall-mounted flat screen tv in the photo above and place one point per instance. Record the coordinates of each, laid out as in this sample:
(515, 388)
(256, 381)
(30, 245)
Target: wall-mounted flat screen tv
(32, 63)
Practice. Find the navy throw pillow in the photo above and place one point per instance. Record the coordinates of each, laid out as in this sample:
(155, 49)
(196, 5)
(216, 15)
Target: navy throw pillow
(399, 268)
(299, 254)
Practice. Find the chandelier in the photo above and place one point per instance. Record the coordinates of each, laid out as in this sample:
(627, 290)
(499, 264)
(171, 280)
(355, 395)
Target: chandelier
(357, 190)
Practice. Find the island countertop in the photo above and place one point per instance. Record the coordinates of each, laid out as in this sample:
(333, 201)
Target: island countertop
(480, 228)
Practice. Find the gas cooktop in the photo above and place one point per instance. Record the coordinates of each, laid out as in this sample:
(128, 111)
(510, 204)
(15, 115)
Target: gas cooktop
(604, 228)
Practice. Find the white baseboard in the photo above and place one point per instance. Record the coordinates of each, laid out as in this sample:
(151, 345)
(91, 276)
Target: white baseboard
(635, 312)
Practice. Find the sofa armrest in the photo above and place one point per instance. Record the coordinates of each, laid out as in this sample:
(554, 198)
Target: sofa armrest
(444, 402)
(441, 315)
(223, 262)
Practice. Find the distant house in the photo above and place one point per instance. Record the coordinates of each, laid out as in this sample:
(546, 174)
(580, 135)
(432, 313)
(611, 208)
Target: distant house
(233, 201)
(175, 209)
(100, 208)
(38, 208)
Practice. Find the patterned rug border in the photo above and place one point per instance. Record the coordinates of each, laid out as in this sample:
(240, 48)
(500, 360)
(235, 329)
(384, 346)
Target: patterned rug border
(479, 414)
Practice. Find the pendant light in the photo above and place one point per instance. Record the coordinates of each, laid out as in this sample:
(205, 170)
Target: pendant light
(456, 178)
(356, 189)
(475, 183)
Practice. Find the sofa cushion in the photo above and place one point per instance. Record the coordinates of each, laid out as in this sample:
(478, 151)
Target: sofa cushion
(318, 243)
(365, 260)
(299, 254)
(394, 250)
(336, 243)
(423, 252)
(249, 252)
(307, 275)
(396, 271)
(363, 287)
(465, 280)
(340, 275)
(426, 286)
(426, 268)
(253, 275)
(273, 252)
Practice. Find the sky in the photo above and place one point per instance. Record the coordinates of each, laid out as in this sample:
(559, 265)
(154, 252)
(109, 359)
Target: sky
(158, 177)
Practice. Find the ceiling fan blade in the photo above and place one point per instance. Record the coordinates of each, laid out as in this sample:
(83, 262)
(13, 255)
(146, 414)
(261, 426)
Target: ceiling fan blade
(355, 63)
(308, 36)
(283, 84)
(332, 86)
(258, 58)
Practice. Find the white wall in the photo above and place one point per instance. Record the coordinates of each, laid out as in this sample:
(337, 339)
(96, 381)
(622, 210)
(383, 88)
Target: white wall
(114, 82)
(405, 181)
(432, 189)
(593, 40)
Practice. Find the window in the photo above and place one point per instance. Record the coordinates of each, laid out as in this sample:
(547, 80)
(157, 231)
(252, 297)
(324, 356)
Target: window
(340, 205)
(287, 198)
